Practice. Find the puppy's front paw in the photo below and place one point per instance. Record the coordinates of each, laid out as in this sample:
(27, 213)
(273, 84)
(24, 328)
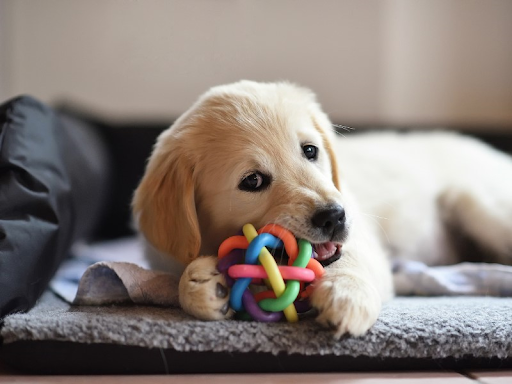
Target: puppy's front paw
(346, 304)
(203, 291)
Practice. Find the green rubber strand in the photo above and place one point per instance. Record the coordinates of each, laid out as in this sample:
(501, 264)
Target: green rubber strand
(288, 297)
(305, 250)
(292, 286)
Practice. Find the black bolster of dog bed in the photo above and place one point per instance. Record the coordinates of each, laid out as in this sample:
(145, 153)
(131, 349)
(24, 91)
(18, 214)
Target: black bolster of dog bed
(53, 180)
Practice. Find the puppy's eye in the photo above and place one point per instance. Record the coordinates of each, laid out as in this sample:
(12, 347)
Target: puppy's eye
(310, 151)
(254, 182)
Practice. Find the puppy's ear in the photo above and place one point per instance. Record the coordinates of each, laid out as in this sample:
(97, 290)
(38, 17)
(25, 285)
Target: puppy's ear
(164, 204)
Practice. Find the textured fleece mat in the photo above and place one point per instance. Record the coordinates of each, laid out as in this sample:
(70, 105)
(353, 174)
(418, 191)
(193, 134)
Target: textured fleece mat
(436, 328)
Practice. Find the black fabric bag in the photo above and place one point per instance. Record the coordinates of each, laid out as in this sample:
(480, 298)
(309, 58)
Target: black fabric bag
(54, 173)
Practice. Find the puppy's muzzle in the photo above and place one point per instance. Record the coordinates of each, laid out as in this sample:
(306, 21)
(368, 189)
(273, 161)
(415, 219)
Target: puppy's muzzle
(330, 221)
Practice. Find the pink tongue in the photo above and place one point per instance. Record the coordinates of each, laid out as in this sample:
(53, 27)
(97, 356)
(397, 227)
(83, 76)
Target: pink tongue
(325, 250)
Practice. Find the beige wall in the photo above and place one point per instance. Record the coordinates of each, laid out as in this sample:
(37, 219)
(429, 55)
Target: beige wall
(387, 62)
(448, 61)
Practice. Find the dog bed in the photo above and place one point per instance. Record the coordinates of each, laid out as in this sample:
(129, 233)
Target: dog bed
(57, 337)
(411, 333)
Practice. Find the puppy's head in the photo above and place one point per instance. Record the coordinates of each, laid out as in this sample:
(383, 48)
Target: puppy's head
(244, 153)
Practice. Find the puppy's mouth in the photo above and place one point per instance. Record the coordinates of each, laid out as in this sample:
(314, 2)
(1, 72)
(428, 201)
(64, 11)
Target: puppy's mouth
(327, 253)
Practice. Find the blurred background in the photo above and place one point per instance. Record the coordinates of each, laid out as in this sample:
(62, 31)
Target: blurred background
(371, 62)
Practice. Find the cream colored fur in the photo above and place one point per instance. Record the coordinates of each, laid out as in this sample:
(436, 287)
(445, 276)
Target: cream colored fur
(399, 192)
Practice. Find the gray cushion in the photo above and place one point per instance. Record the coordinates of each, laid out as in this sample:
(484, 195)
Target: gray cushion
(408, 328)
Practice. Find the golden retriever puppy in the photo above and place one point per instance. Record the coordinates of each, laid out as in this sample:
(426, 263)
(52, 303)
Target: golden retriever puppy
(266, 153)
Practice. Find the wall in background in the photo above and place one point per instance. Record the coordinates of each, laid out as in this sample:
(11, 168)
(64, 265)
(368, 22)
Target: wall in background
(383, 62)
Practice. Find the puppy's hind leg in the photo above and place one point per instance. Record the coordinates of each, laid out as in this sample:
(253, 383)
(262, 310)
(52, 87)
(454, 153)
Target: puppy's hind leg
(480, 206)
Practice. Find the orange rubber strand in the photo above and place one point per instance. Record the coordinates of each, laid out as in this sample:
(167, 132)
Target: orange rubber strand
(306, 292)
(316, 267)
(233, 242)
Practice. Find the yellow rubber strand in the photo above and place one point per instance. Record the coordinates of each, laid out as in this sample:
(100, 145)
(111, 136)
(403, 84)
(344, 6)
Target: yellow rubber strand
(274, 276)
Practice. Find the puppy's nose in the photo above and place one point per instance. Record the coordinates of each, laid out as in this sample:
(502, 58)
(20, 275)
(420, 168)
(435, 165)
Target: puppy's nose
(330, 220)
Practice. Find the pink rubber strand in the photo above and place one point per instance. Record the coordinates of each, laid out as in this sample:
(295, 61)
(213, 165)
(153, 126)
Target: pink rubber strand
(257, 271)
